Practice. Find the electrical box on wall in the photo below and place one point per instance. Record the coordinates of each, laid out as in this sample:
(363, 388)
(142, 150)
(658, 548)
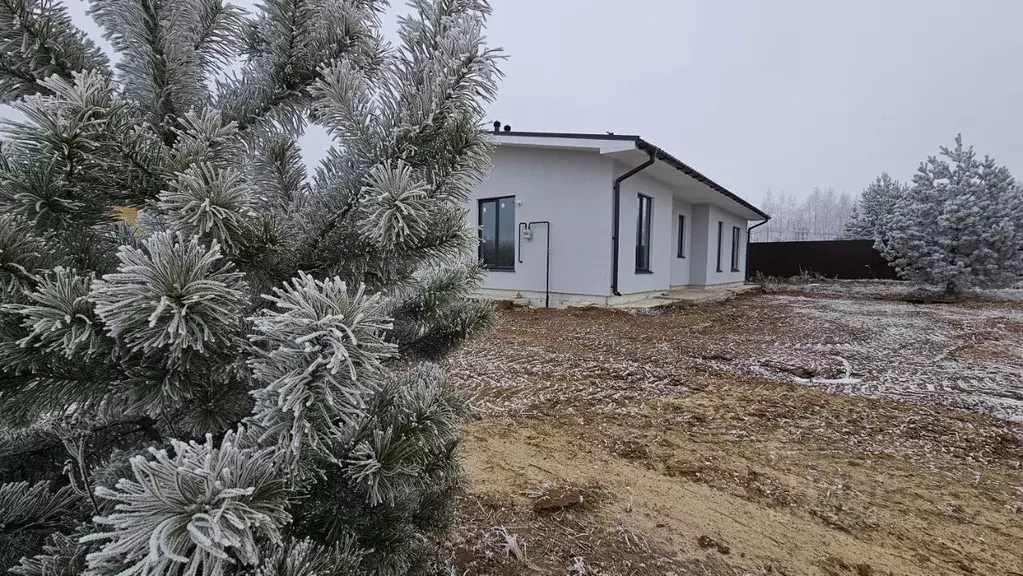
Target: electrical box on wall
(527, 234)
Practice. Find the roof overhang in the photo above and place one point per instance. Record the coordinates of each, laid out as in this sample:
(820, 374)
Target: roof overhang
(631, 151)
(588, 142)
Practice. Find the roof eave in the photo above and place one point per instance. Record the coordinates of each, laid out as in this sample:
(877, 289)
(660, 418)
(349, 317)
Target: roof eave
(576, 135)
(696, 175)
(643, 145)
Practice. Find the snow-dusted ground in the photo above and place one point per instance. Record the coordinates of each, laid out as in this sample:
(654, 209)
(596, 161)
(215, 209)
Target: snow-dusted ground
(857, 342)
(965, 356)
(883, 289)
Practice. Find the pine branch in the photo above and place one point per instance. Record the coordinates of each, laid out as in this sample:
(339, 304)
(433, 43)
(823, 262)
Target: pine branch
(162, 71)
(276, 170)
(218, 30)
(23, 253)
(435, 313)
(59, 318)
(316, 405)
(62, 555)
(173, 296)
(38, 40)
(28, 513)
(76, 153)
(289, 43)
(205, 504)
(323, 346)
(30, 454)
(210, 203)
(305, 557)
(41, 385)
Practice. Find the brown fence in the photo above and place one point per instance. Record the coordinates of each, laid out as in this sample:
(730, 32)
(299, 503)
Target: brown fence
(846, 259)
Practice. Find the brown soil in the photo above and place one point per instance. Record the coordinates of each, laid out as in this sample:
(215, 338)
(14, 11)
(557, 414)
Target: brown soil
(683, 468)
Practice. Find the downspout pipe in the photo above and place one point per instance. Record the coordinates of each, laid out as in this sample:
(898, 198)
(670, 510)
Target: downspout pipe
(749, 237)
(616, 216)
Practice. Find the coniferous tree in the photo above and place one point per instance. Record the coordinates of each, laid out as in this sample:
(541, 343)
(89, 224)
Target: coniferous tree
(959, 226)
(241, 381)
(875, 206)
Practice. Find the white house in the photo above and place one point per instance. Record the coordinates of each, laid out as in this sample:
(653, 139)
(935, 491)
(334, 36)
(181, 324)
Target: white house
(603, 219)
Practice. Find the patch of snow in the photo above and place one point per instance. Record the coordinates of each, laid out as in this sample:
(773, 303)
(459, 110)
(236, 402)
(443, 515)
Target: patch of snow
(964, 357)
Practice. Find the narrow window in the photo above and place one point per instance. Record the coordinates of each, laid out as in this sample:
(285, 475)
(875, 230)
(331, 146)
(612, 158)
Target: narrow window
(643, 234)
(681, 236)
(497, 233)
(721, 238)
(735, 248)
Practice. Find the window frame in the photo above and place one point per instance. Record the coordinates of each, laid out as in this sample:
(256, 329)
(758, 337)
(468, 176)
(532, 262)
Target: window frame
(721, 239)
(736, 241)
(497, 232)
(681, 248)
(648, 201)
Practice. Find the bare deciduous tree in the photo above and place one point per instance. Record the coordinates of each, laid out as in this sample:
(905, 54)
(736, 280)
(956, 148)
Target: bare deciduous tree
(821, 215)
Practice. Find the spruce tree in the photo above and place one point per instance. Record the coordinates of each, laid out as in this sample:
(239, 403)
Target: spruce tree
(875, 206)
(959, 226)
(242, 381)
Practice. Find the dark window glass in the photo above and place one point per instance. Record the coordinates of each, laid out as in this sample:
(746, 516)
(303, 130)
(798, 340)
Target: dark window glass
(643, 234)
(497, 233)
(735, 248)
(506, 233)
(721, 239)
(681, 236)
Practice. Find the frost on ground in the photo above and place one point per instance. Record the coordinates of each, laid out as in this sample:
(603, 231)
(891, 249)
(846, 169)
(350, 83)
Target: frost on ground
(963, 356)
(882, 289)
(966, 355)
(703, 441)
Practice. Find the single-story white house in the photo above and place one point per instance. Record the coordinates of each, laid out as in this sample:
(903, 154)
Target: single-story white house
(603, 219)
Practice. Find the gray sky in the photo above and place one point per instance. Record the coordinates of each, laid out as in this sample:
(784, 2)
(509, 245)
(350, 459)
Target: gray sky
(783, 95)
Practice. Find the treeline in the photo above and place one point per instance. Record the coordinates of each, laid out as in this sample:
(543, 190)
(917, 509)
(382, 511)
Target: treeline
(957, 225)
(822, 215)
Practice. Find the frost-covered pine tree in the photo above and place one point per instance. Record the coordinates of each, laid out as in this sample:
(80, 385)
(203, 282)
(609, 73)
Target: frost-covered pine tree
(960, 225)
(875, 206)
(240, 382)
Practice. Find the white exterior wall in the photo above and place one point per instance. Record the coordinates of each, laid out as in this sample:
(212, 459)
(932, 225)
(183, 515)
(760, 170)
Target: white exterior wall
(700, 259)
(680, 266)
(661, 243)
(572, 190)
(709, 216)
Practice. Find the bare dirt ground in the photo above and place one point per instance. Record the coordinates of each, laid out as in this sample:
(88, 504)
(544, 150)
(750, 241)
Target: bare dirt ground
(791, 434)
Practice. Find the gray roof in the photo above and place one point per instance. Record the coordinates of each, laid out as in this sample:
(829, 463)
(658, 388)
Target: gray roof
(659, 154)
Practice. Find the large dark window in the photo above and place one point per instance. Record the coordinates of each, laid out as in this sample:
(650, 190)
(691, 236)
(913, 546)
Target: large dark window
(643, 234)
(681, 236)
(721, 239)
(735, 248)
(497, 233)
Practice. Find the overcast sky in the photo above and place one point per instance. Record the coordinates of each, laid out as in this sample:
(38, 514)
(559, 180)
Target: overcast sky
(783, 95)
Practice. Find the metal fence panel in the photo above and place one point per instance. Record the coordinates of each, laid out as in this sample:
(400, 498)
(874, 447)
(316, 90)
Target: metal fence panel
(845, 259)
